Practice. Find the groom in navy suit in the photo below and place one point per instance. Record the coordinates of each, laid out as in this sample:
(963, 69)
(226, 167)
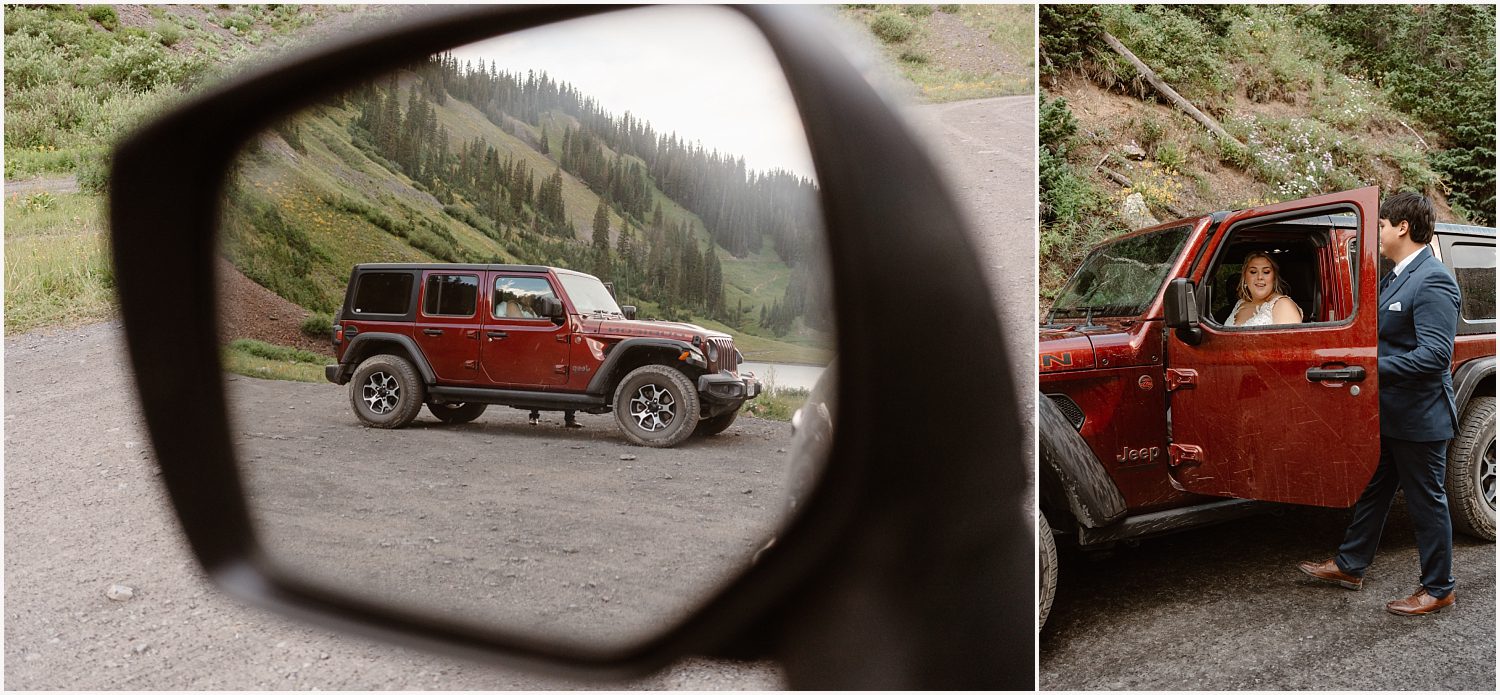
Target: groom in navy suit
(1419, 302)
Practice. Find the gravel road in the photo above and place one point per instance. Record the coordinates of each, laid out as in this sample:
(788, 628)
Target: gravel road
(84, 512)
(1224, 608)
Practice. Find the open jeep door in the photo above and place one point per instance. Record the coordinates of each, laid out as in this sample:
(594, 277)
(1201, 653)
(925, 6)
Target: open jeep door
(1283, 413)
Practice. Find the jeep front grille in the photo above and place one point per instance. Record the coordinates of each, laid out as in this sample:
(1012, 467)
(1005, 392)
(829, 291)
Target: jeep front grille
(1070, 410)
(726, 359)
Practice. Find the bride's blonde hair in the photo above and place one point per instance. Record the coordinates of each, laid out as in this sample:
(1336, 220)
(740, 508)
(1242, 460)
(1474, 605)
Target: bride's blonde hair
(1244, 290)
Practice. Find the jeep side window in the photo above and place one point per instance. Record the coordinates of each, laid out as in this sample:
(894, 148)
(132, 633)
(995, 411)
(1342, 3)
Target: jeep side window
(383, 293)
(515, 297)
(451, 295)
(1474, 267)
(1308, 261)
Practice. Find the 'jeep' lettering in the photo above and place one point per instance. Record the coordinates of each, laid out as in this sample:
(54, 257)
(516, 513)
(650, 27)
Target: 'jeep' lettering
(1141, 455)
(1063, 360)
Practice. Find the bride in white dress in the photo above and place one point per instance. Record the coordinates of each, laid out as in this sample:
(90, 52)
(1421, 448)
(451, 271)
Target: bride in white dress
(1262, 295)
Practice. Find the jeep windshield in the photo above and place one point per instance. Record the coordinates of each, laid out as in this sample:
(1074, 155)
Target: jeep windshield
(1121, 278)
(589, 295)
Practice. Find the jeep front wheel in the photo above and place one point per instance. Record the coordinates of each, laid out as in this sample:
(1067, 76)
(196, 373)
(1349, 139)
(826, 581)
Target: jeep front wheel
(386, 392)
(710, 426)
(456, 413)
(1471, 470)
(656, 406)
(1046, 575)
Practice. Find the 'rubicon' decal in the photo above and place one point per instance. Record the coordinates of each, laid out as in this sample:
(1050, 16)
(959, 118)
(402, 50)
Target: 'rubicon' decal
(1054, 361)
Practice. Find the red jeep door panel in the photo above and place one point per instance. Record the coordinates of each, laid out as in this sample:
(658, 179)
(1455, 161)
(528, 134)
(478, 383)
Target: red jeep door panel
(448, 323)
(1248, 419)
(518, 348)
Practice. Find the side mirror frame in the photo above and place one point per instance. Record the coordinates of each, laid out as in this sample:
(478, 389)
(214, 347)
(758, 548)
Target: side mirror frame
(628, 311)
(935, 557)
(1182, 311)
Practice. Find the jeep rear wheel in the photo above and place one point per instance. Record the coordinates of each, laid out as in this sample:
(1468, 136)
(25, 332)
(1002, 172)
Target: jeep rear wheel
(710, 426)
(386, 392)
(656, 406)
(1471, 470)
(456, 413)
(1046, 576)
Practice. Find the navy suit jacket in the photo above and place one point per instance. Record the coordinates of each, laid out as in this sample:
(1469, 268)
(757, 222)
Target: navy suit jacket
(1418, 321)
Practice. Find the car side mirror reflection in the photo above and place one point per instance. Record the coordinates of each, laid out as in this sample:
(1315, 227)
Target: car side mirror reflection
(582, 478)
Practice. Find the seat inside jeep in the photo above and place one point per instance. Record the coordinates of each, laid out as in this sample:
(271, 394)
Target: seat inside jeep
(1302, 249)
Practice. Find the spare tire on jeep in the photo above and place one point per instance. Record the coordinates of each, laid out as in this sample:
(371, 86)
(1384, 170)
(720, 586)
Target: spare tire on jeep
(656, 406)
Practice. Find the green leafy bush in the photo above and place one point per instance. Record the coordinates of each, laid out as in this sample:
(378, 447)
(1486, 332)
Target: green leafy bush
(318, 325)
(892, 28)
(105, 16)
(917, 11)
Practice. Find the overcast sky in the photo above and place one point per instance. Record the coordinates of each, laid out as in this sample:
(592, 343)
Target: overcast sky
(702, 72)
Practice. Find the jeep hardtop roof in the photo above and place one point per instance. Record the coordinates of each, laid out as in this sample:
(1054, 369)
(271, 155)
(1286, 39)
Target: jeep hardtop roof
(502, 267)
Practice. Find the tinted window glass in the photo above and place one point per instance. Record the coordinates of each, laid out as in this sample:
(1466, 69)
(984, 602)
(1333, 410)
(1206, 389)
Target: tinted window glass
(1474, 265)
(515, 298)
(451, 295)
(383, 293)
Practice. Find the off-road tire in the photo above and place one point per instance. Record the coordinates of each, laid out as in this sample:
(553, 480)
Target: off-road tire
(386, 392)
(1046, 576)
(1471, 470)
(456, 413)
(710, 426)
(672, 393)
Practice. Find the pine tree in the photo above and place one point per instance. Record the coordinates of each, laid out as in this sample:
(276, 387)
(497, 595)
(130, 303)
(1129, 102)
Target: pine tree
(601, 240)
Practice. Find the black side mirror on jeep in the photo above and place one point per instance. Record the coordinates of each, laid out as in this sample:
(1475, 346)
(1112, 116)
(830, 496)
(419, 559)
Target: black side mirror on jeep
(1182, 310)
(629, 311)
(550, 307)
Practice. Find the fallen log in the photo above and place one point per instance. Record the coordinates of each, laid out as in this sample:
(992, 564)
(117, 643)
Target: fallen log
(1167, 91)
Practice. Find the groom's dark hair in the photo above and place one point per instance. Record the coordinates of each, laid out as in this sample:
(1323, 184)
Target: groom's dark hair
(1414, 209)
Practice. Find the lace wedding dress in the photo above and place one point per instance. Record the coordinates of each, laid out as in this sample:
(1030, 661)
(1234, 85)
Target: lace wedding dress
(1261, 317)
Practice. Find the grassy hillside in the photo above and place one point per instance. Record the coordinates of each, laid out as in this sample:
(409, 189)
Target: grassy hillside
(1319, 99)
(955, 52)
(310, 198)
(76, 79)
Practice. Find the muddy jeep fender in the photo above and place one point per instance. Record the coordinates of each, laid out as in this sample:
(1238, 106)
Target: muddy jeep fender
(366, 344)
(1470, 380)
(1070, 471)
(634, 352)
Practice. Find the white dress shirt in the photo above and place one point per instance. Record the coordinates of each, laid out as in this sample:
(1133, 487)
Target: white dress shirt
(1396, 271)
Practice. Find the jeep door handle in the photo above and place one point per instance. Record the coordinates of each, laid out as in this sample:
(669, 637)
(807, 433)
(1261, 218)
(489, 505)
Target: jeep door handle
(1336, 374)
(432, 331)
(497, 335)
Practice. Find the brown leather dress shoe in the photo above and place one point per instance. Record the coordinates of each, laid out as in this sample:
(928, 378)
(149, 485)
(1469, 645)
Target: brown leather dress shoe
(1329, 571)
(1420, 603)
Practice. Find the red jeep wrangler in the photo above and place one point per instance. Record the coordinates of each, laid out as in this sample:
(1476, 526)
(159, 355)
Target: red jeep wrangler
(536, 339)
(1156, 416)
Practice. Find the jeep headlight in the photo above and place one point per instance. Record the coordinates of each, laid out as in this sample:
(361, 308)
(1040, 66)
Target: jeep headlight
(713, 352)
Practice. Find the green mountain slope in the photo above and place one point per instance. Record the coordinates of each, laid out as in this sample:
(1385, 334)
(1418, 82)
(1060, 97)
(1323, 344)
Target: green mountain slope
(323, 192)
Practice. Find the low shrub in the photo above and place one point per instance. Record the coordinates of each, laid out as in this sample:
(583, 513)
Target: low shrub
(892, 28)
(105, 16)
(318, 325)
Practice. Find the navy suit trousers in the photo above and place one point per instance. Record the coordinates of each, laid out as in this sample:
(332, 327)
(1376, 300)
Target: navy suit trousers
(1419, 469)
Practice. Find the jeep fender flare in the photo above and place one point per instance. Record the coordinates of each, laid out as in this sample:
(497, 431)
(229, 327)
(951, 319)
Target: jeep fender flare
(1070, 468)
(599, 384)
(1470, 375)
(360, 345)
